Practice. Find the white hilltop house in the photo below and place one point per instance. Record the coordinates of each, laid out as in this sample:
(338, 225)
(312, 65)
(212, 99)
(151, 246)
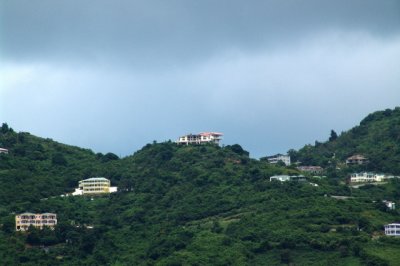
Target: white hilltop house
(200, 138)
(2, 150)
(279, 157)
(365, 177)
(392, 229)
(94, 186)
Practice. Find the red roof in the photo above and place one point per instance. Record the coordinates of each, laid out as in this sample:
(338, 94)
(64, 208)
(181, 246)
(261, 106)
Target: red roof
(210, 134)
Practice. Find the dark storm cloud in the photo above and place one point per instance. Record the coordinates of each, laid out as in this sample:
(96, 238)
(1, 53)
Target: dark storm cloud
(144, 32)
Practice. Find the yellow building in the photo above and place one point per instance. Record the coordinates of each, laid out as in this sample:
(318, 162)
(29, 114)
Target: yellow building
(38, 220)
(94, 185)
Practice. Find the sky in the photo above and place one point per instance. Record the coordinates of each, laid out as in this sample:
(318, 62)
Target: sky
(272, 75)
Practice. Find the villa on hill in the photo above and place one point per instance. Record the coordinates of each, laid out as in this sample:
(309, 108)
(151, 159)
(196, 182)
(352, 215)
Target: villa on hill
(356, 159)
(365, 177)
(316, 170)
(278, 157)
(201, 138)
(94, 186)
(392, 229)
(37, 220)
(2, 150)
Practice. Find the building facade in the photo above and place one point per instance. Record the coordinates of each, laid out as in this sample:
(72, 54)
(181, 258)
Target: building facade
(201, 138)
(366, 177)
(38, 220)
(279, 157)
(392, 229)
(94, 186)
(284, 178)
(2, 150)
(316, 170)
(356, 159)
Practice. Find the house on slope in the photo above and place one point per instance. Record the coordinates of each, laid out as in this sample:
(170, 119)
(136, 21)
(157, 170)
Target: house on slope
(200, 138)
(356, 159)
(37, 220)
(94, 186)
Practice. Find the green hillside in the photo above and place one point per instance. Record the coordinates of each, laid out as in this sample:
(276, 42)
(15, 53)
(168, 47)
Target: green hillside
(187, 205)
(377, 137)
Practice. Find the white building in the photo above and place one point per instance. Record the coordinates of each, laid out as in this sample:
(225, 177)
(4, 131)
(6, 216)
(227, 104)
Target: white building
(390, 204)
(366, 177)
(281, 178)
(284, 178)
(392, 229)
(279, 157)
(2, 150)
(201, 138)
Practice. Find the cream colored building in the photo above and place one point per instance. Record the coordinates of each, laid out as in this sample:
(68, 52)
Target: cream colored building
(367, 177)
(38, 220)
(94, 186)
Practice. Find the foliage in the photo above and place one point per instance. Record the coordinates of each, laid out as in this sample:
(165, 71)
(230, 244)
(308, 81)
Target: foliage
(191, 205)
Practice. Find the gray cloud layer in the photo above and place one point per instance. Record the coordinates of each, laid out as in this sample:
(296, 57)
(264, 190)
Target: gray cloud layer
(272, 75)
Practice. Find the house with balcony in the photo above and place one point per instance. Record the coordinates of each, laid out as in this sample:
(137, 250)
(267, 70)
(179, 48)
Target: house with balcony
(392, 229)
(366, 177)
(94, 186)
(278, 157)
(200, 138)
(37, 220)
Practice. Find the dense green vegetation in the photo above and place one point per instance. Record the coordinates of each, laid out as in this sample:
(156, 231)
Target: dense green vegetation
(190, 205)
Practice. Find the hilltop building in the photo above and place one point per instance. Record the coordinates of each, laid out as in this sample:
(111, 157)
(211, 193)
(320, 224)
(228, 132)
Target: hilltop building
(316, 170)
(38, 220)
(279, 157)
(201, 138)
(2, 150)
(356, 159)
(94, 186)
(392, 229)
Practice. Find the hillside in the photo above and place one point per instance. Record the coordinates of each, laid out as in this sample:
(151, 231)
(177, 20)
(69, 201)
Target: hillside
(377, 137)
(185, 205)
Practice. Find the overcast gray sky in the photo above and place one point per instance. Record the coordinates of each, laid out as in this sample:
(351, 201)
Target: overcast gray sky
(113, 75)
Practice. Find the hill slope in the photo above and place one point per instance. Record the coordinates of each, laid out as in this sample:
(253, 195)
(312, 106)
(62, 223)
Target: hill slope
(184, 205)
(377, 137)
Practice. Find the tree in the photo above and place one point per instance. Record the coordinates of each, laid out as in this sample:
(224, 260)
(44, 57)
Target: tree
(333, 135)
(4, 128)
(59, 159)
